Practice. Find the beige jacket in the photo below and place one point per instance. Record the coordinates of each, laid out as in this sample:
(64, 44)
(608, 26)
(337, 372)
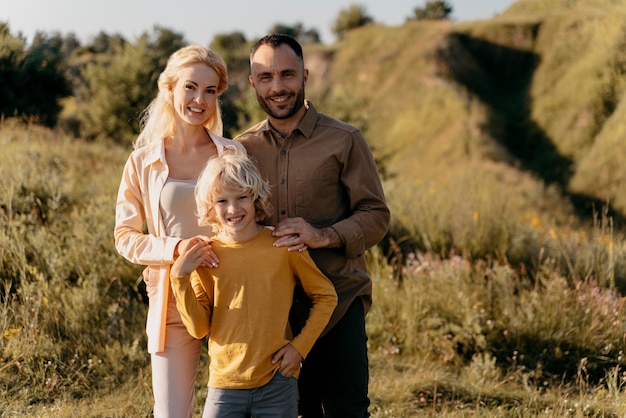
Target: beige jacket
(137, 205)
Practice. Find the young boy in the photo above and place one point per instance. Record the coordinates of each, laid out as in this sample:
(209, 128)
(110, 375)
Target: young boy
(244, 303)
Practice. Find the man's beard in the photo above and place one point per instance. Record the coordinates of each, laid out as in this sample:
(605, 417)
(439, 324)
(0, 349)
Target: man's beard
(283, 113)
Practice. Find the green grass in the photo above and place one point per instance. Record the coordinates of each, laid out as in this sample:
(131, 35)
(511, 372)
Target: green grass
(454, 332)
(497, 294)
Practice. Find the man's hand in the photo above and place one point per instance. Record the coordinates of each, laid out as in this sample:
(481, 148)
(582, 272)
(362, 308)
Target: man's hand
(298, 234)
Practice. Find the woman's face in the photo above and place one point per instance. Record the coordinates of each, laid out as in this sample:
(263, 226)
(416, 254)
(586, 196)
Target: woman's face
(195, 94)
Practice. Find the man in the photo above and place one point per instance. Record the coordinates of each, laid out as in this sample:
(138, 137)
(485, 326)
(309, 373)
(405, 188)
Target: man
(327, 196)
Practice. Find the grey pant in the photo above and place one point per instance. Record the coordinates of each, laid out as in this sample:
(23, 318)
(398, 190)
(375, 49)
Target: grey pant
(276, 399)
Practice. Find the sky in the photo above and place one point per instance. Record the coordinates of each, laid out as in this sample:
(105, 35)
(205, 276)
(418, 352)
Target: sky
(200, 21)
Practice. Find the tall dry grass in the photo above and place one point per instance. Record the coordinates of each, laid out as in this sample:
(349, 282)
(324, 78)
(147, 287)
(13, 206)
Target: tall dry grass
(459, 331)
(71, 315)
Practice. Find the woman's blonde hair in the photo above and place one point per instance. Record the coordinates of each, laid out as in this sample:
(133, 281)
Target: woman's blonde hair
(231, 171)
(158, 118)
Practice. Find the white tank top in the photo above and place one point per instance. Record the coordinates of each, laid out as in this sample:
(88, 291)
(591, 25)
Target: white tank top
(178, 208)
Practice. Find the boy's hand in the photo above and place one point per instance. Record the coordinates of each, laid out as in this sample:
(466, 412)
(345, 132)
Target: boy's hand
(290, 360)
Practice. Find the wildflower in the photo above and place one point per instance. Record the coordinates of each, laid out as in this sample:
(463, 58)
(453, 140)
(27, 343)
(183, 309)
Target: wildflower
(8, 333)
(552, 234)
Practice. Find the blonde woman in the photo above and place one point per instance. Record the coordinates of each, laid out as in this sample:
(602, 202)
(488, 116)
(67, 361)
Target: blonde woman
(182, 130)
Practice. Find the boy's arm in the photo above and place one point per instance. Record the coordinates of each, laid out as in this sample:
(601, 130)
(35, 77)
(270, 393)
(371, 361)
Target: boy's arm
(323, 297)
(192, 301)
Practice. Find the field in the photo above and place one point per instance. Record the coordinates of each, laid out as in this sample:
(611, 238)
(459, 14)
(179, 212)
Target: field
(449, 336)
(499, 291)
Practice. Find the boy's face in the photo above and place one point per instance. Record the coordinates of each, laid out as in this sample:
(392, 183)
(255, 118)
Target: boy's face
(235, 212)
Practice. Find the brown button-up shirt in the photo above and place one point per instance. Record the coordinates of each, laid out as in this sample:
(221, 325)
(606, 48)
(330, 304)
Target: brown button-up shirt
(325, 173)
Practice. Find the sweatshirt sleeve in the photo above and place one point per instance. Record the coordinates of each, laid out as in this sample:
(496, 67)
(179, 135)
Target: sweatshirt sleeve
(194, 303)
(323, 297)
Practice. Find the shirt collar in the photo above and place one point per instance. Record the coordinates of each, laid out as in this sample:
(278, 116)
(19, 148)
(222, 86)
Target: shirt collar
(156, 153)
(307, 124)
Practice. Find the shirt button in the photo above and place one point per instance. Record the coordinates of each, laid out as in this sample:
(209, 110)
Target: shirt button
(282, 181)
(282, 212)
(283, 152)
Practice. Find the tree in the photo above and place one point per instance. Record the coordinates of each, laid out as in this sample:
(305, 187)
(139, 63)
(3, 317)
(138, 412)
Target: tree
(162, 43)
(120, 84)
(104, 43)
(297, 31)
(230, 46)
(234, 48)
(350, 18)
(433, 10)
(115, 94)
(33, 79)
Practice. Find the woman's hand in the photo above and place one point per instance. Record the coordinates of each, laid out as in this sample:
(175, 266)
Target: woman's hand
(189, 259)
(209, 258)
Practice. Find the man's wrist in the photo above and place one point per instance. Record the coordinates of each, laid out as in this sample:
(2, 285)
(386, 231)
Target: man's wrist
(331, 238)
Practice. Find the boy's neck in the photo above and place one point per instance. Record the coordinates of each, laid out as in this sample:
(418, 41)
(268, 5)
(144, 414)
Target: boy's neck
(232, 237)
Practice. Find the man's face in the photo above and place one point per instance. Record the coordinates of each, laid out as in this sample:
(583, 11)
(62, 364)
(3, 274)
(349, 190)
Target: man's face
(278, 77)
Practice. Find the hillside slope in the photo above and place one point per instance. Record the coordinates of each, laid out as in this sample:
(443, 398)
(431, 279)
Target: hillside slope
(520, 114)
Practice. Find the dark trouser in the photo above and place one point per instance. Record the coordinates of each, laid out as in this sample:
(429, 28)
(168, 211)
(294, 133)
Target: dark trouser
(334, 378)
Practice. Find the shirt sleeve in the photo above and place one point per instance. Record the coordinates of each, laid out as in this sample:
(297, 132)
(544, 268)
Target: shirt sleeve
(369, 221)
(130, 217)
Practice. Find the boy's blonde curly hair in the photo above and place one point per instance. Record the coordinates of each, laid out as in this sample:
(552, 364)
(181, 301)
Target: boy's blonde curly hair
(232, 171)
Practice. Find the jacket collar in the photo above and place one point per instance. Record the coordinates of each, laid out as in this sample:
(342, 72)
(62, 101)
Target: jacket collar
(157, 152)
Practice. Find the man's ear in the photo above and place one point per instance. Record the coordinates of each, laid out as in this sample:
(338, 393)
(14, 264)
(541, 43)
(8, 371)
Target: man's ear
(305, 75)
(251, 80)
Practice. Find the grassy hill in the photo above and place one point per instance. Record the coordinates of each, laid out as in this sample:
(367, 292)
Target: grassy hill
(498, 290)
(520, 114)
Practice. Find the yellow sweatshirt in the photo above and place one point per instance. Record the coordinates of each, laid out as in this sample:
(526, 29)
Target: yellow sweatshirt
(244, 307)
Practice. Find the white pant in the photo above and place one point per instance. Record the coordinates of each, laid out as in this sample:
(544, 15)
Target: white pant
(174, 370)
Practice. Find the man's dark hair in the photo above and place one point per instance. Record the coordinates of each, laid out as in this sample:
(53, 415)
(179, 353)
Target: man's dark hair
(277, 39)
